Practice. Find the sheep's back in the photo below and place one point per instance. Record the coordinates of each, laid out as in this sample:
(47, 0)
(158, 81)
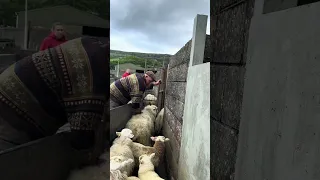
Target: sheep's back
(142, 128)
(121, 150)
(149, 175)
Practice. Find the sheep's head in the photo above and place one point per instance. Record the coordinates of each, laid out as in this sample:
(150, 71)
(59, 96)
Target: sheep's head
(125, 133)
(150, 97)
(151, 109)
(159, 138)
(117, 162)
(117, 159)
(143, 159)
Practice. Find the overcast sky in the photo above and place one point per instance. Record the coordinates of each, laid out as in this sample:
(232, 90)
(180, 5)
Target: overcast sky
(154, 26)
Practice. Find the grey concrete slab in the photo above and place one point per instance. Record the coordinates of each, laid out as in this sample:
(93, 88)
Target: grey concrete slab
(118, 119)
(280, 127)
(198, 40)
(194, 160)
(50, 158)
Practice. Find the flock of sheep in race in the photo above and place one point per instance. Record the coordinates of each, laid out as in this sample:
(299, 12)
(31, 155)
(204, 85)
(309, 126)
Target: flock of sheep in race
(132, 149)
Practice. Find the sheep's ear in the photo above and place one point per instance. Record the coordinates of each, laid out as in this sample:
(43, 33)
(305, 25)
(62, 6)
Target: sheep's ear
(153, 138)
(166, 139)
(118, 134)
(140, 158)
(152, 155)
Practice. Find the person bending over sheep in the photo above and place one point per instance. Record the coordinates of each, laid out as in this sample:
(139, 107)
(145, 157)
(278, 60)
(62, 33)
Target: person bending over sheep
(131, 88)
(42, 92)
(146, 168)
(142, 125)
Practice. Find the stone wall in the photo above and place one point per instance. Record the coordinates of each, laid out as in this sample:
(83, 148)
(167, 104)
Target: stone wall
(174, 103)
(230, 21)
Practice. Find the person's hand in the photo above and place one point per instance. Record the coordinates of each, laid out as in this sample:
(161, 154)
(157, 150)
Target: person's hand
(157, 82)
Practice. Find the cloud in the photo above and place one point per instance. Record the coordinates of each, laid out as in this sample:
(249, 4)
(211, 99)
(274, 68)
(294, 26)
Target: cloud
(157, 26)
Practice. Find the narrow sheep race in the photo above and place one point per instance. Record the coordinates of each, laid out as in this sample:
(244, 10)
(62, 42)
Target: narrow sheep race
(132, 155)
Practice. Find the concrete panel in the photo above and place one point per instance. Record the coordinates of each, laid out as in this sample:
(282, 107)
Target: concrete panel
(49, 158)
(194, 161)
(118, 119)
(279, 130)
(276, 5)
(198, 40)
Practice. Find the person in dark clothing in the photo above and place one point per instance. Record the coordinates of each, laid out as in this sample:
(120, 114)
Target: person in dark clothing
(56, 37)
(127, 73)
(42, 92)
(131, 88)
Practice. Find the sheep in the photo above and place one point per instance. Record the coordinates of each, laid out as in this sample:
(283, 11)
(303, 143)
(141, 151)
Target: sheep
(142, 125)
(116, 164)
(133, 178)
(159, 122)
(100, 172)
(150, 100)
(122, 148)
(158, 148)
(146, 168)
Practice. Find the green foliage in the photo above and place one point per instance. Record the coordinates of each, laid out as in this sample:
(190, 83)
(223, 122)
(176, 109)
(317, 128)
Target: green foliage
(151, 57)
(135, 60)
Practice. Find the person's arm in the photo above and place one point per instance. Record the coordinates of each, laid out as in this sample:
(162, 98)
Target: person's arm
(44, 45)
(150, 86)
(154, 84)
(136, 99)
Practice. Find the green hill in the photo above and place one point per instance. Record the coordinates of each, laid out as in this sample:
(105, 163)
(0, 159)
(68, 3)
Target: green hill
(151, 59)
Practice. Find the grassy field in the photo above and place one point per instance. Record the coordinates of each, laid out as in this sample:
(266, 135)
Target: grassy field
(137, 58)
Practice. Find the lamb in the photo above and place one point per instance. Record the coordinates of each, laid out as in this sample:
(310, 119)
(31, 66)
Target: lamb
(117, 163)
(142, 125)
(132, 178)
(159, 122)
(150, 100)
(158, 148)
(146, 168)
(122, 148)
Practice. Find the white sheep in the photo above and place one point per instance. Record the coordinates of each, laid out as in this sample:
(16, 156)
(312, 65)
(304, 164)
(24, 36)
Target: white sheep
(146, 168)
(121, 147)
(133, 178)
(142, 125)
(159, 122)
(150, 100)
(158, 148)
(116, 164)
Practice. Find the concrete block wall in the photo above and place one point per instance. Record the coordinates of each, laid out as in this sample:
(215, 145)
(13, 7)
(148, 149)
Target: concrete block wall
(174, 103)
(230, 21)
